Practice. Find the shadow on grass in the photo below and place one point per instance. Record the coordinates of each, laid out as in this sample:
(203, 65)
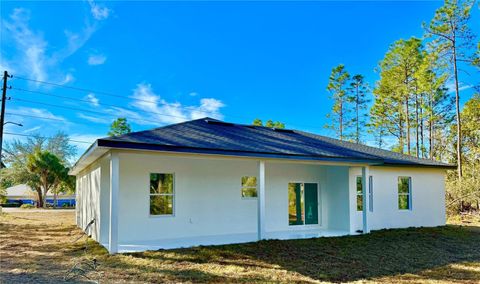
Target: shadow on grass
(422, 251)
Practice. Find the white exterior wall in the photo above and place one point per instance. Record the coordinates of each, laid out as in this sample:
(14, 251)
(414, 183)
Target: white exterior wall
(428, 198)
(208, 198)
(90, 201)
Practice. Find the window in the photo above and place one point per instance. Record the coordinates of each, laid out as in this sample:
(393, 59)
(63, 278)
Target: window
(249, 187)
(404, 193)
(359, 194)
(370, 193)
(302, 204)
(161, 194)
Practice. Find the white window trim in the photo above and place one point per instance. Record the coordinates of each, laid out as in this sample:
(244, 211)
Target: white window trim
(249, 187)
(409, 194)
(370, 193)
(320, 215)
(357, 194)
(160, 194)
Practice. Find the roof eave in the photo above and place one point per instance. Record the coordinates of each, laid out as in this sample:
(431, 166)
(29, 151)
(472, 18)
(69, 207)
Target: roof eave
(177, 149)
(91, 154)
(417, 165)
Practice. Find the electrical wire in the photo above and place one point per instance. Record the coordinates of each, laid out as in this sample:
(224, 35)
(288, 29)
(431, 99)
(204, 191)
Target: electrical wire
(42, 137)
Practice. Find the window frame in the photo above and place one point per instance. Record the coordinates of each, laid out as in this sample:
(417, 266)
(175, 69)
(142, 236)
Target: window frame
(249, 187)
(162, 194)
(319, 207)
(358, 194)
(370, 193)
(409, 194)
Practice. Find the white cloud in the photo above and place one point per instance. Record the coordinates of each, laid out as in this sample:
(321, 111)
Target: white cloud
(461, 87)
(208, 107)
(94, 101)
(32, 129)
(165, 112)
(68, 78)
(99, 12)
(96, 59)
(79, 141)
(31, 46)
(94, 119)
(38, 112)
(193, 94)
(33, 56)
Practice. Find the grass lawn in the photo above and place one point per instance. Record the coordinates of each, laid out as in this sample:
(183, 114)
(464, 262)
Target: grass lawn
(38, 247)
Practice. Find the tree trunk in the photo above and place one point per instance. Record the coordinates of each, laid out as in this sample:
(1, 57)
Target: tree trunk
(459, 125)
(417, 145)
(358, 128)
(431, 129)
(40, 197)
(341, 120)
(408, 125)
(54, 199)
(422, 141)
(400, 136)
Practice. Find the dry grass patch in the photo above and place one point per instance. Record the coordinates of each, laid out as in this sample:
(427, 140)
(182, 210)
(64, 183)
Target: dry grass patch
(36, 247)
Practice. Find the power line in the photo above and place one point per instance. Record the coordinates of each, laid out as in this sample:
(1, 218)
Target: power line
(34, 116)
(87, 101)
(88, 90)
(110, 94)
(84, 110)
(43, 137)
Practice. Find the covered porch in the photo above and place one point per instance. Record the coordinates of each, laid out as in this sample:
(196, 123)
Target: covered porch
(294, 200)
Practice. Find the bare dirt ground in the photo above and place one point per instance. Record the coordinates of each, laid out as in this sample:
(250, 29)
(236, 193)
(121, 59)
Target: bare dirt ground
(43, 247)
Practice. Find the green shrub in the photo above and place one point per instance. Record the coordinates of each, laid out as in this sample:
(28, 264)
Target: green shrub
(27, 206)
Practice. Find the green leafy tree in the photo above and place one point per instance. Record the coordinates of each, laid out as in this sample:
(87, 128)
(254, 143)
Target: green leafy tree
(464, 193)
(18, 152)
(257, 122)
(454, 42)
(48, 170)
(6, 181)
(270, 123)
(396, 90)
(436, 106)
(119, 126)
(58, 144)
(337, 86)
(358, 90)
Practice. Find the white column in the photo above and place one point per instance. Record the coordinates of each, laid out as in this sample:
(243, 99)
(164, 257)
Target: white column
(261, 200)
(365, 186)
(114, 187)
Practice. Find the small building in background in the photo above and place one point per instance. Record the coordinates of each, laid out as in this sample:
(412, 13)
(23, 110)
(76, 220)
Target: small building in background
(20, 194)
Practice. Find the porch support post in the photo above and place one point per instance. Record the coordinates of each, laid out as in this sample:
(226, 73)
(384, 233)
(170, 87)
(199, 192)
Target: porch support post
(366, 197)
(114, 188)
(261, 200)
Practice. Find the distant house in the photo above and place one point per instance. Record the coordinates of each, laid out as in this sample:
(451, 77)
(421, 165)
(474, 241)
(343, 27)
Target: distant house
(206, 182)
(23, 194)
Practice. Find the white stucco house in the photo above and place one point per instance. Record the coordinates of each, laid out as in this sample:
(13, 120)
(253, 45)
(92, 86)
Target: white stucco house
(206, 182)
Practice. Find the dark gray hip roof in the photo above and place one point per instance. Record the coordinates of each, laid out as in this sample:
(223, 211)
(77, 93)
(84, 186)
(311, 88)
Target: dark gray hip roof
(211, 136)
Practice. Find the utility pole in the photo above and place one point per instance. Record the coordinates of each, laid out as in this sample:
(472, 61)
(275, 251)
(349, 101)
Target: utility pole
(2, 114)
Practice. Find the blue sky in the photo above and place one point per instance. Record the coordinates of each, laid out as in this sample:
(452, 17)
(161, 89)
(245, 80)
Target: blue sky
(231, 60)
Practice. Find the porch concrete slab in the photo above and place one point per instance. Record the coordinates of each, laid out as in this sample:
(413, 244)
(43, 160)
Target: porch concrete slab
(138, 246)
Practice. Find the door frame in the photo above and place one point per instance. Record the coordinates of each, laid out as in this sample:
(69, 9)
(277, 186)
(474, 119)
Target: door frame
(319, 208)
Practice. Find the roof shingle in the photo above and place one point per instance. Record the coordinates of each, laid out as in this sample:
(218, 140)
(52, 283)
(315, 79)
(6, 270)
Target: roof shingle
(213, 136)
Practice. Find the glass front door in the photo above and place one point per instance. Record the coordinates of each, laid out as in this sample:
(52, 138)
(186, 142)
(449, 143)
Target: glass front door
(302, 203)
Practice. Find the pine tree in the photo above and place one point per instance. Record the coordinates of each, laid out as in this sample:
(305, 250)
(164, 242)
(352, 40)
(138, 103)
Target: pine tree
(396, 89)
(337, 87)
(454, 42)
(358, 90)
(436, 104)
